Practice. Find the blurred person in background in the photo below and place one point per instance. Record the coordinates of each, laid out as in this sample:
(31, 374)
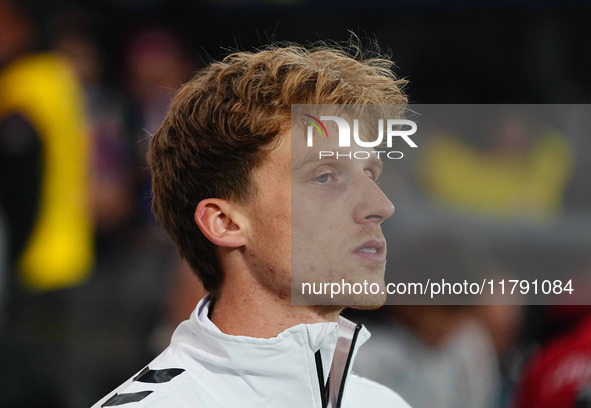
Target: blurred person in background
(43, 120)
(497, 161)
(558, 373)
(132, 251)
(156, 63)
(114, 164)
(434, 356)
(441, 356)
(43, 200)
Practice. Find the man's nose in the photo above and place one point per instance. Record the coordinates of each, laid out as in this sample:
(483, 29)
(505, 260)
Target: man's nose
(372, 203)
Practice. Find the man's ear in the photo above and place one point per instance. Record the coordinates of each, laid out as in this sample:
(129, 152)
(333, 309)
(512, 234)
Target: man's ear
(219, 223)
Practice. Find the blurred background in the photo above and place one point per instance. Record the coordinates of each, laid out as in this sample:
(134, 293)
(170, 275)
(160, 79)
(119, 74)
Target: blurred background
(91, 288)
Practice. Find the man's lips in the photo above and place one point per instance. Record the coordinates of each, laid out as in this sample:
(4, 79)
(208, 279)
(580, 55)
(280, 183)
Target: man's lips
(374, 251)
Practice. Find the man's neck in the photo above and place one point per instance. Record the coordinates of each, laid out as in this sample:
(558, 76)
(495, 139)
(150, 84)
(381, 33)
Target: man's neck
(254, 312)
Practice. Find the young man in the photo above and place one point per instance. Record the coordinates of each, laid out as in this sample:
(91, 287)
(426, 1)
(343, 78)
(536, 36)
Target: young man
(224, 174)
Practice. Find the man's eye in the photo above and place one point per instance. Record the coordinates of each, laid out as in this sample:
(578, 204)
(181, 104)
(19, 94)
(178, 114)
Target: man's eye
(323, 178)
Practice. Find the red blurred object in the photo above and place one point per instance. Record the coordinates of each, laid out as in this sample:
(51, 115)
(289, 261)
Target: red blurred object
(559, 375)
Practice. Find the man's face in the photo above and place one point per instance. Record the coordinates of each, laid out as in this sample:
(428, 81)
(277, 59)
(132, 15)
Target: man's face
(337, 211)
(318, 219)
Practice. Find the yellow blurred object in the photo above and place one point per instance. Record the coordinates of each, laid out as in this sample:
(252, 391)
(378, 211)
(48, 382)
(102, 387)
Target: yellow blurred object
(59, 252)
(529, 184)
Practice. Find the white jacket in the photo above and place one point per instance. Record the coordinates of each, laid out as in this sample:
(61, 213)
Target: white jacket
(205, 368)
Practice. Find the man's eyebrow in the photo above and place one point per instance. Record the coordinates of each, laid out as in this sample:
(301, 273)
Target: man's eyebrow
(372, 161)
(309, 158)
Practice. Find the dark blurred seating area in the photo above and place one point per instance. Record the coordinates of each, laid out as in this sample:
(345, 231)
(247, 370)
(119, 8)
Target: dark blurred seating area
(91, 287)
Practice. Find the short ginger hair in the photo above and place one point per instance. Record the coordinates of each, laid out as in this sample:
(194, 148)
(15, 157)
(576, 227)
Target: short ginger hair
(214, 132)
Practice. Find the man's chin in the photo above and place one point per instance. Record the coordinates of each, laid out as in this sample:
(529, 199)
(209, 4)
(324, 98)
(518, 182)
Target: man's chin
(359, 302)
(366, 307)
(367, 302)
(337, 309)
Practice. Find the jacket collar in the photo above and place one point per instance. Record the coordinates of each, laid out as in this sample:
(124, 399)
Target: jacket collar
(289, 356)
